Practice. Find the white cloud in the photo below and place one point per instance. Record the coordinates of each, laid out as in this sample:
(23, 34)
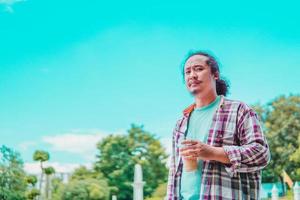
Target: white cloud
(78, 141)
(9, 3)
(81, 144)
(34, 168)
(24, 146)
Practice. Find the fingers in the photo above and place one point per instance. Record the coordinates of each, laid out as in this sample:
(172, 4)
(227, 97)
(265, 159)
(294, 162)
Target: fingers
(190, 142)
(188, 148)
(190, 158)
(189, 154)
(192, 149)
(194, 146)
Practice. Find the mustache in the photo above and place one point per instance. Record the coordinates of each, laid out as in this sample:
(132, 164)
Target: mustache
(190, 82)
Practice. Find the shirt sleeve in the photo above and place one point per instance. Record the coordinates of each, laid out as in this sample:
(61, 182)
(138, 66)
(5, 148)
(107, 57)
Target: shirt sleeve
(170, 185)
(252, 154)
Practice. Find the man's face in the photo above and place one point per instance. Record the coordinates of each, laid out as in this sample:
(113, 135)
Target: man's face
(198, 76)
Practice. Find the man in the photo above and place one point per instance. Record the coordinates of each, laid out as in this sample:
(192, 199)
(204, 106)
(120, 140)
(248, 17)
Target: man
(218, 145)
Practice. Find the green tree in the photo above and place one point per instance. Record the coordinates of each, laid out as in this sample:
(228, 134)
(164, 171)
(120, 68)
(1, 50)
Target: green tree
(76, 190)
(48, 171)
(281, 119)
(57, 188)
(31, 180)
(295, 157)
(41, 156)
(12, 176)
(119, 153)
(159, 193)
(86, 185)
(32, 194)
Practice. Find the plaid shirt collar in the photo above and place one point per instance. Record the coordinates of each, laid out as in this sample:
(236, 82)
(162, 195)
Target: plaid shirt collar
(187, 111)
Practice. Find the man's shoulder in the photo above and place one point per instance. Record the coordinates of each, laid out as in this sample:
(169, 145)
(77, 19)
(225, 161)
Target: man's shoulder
(236, 105)
(241, 108)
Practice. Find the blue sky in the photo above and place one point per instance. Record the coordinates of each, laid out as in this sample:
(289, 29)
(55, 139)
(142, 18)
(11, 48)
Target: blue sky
(72, 71)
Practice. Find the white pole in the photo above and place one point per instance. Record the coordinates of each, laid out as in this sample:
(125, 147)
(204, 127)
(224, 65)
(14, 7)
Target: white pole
(138, 183)
(296, 192)
(114, 197)
(274, 192)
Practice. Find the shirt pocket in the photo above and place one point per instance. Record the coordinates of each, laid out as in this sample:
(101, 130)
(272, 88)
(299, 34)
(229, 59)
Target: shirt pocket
(226, 134)
(229, 137)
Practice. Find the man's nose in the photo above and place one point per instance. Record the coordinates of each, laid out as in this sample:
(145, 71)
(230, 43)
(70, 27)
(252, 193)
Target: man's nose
(193, 74)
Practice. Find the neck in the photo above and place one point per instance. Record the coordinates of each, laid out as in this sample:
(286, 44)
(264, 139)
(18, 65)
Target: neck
(205, 99)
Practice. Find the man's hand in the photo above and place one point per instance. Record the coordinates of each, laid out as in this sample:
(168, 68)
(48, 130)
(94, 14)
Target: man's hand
(194, 149)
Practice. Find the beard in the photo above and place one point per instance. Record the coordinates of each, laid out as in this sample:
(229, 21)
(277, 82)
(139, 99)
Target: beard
(195, 92)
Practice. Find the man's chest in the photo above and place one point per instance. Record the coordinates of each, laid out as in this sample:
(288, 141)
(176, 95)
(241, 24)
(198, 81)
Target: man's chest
(220, 130)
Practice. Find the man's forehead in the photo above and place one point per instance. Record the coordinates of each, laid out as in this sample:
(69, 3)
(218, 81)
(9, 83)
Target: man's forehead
(196, 60)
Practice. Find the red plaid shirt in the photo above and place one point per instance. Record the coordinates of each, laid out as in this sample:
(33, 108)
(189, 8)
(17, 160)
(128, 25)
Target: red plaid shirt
(236, 128)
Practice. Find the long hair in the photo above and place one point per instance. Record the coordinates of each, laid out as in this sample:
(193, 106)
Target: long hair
(222, 85)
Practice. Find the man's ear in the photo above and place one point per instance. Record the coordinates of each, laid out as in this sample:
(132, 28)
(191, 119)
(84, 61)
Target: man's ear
(216, 76)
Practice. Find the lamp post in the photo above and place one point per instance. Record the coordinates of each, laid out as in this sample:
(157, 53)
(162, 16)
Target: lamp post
(138, 183)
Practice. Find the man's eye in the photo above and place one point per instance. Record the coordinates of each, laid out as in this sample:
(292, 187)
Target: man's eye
(198, 69)
(187, 72)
